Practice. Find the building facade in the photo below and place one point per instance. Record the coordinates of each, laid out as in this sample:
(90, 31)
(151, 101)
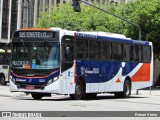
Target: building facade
(17, 14)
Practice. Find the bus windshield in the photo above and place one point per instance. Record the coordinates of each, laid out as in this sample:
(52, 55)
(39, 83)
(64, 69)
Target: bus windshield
(35, 55)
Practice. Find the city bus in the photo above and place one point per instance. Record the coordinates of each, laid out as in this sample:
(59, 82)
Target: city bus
(78, 64)
(4, 63)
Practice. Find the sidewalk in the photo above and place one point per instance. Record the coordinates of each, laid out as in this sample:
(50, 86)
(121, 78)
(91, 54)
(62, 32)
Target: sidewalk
(155, 91)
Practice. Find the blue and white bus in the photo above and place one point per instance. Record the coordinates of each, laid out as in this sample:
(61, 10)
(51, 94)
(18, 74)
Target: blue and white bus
(79, 64)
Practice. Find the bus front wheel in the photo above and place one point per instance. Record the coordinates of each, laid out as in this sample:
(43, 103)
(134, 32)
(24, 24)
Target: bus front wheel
(79, 91)
(37, 96)
(2, 80)
(126, 90)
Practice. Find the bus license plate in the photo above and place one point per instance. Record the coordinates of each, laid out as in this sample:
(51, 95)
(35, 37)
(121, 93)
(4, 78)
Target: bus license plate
(30, 87)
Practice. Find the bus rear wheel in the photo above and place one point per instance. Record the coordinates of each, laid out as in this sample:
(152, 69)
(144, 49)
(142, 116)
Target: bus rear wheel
(2, 80)
(79, 91)
(37, 96)
(126, 90)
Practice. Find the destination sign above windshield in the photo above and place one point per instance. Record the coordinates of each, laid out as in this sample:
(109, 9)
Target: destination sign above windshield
(34, 34)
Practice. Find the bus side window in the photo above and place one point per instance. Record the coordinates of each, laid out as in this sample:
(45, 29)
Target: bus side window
(146, 56)
(137, 53)
(127, 52)
(68, 53)
(106, 51)
(94, 50)
(82, 48)
(117, 51)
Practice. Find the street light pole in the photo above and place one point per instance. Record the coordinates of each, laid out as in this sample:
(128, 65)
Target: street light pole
(29, 14)
(76, 1)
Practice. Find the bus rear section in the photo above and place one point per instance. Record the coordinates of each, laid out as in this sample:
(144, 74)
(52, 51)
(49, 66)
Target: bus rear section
(111, 64)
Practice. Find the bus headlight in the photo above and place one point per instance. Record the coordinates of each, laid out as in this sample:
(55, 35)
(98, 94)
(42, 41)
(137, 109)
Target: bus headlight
(52, 80)
(55, 78)
(10, 77)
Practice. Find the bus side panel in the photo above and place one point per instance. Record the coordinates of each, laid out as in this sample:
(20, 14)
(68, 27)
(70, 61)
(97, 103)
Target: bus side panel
(67, 81)
(141, 76)
(110, 76)
(99, 75)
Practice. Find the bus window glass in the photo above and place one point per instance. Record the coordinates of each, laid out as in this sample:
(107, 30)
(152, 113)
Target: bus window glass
(106, 50)
(94, 50)
(137, 53)
(35, 55)
(67, 53)
(82, 48)
(127, 52)
(4, 56)
(117, 51)
(146, 53)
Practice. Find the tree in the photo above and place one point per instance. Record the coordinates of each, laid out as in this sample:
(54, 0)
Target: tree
(145, 13)
(89, 19)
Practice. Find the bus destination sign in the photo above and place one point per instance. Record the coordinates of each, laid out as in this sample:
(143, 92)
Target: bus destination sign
(36, 34)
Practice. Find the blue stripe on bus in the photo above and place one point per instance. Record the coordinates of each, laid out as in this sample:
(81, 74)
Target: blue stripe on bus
(122, 40)
(113, 39)
(101, 71)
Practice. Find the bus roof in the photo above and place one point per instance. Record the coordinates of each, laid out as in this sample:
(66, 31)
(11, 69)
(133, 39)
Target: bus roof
(87, 34)
(109, 37)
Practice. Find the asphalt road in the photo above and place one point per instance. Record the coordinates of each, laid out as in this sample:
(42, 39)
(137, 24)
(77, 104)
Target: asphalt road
(146, 101)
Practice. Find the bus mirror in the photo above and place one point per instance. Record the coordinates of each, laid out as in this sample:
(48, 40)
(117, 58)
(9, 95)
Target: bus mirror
(7, 50)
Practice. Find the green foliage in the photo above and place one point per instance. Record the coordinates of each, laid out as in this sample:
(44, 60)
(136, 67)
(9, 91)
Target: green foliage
(89, 19)
(145, 13)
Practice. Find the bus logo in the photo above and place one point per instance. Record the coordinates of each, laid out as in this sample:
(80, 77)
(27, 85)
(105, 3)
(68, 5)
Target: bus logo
(86, 71)
(30, 80)
(82, 70)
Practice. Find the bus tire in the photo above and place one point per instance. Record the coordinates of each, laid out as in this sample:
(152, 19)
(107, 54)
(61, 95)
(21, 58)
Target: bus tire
(37, 96)
(2, 80)
(126, 90)
(79, 91)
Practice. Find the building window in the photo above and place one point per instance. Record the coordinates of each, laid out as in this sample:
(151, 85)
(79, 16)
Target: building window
(13, 17)
(5, 18)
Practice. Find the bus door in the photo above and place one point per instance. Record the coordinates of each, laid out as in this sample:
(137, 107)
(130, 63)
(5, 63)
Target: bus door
(67, 68)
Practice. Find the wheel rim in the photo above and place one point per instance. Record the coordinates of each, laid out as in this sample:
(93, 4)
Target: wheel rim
(127, 89)
(2, 81)
(78, 90)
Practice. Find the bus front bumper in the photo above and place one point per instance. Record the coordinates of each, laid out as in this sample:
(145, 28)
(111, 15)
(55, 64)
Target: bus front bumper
(52, 88)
